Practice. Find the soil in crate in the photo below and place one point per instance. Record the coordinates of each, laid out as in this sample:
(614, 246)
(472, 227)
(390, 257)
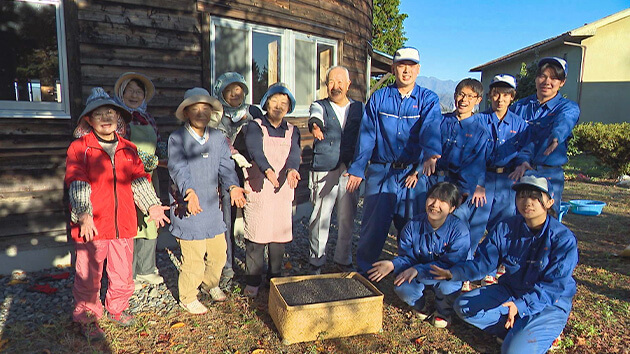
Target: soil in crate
(313, 291)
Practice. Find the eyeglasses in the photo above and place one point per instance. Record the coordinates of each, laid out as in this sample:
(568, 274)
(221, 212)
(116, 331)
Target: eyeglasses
(131, 92)
(104, 115)
(469, 97)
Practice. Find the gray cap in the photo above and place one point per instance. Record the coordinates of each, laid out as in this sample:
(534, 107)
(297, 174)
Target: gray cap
(540, 183)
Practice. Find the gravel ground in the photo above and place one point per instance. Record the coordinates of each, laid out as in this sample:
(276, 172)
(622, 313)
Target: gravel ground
(32, 308)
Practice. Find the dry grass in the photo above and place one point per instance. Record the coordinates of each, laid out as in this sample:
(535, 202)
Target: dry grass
(599, 322)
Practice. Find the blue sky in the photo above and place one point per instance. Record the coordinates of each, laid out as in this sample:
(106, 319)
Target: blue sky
(455, 36)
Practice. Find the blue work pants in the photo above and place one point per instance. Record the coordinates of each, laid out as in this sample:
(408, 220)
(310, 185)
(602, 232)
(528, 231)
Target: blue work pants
(445, 294)
(483, 309)
(386, 200)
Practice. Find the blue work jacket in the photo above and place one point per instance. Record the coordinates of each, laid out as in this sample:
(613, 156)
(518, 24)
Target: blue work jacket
(394, 129)
(554, 119)
(538, 265)
(420, 245)
(508, 138)
(464, 149)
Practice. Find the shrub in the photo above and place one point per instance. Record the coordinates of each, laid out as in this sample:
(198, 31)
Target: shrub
(609, 143)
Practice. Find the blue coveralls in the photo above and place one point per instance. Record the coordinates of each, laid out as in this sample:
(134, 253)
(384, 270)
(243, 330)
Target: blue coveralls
(420, 246)
(538, 279)
(508, 137)
(464, 145)
(463, 161)
(553, 119)
(395, 133)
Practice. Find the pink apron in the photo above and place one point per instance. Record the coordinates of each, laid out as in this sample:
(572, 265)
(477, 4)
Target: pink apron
(268, 212)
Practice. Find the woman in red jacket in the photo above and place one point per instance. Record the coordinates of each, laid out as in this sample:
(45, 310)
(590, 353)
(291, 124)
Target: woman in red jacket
(105, 176)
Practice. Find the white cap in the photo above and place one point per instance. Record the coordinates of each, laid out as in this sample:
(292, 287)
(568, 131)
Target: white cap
(407, 53)
(555, 60)
(505, 78)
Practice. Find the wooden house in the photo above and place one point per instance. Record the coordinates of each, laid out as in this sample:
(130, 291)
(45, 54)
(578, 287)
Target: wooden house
(55, 51)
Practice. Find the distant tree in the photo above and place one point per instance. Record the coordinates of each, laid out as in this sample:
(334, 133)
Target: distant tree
(526, 80)
(388, 33)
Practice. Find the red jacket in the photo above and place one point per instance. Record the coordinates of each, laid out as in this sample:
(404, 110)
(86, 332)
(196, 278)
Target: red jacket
(112, 198)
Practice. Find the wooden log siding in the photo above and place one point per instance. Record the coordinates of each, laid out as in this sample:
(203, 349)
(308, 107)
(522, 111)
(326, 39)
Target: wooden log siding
(349, 22)
(32, 156)
(164, 40)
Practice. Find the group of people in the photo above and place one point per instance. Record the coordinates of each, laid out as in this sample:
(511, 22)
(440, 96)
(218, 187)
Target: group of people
(444, 181)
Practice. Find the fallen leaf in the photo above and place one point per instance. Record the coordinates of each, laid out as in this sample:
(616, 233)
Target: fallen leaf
(288, 265)
(178, 325)
(3, 343)
(16, 281)
(144, 334)
(581, 341)
(163, 338)
(419, 340)
(258, 351)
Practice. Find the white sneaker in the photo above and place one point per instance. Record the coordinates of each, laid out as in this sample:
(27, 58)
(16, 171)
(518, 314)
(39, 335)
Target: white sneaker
(137, 285)
(489, 280)
(438, 321)
(195, 307)
(150, 278)
(466, 287)
(217, 294)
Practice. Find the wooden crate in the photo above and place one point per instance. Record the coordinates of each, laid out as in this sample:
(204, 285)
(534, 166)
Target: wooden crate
(325, 320)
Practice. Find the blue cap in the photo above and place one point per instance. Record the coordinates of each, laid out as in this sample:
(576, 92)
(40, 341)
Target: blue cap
(555, 61)
(504, 78)
(278, 87)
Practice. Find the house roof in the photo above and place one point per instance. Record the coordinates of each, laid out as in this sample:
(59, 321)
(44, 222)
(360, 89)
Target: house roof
(576, 35)
(381, 62)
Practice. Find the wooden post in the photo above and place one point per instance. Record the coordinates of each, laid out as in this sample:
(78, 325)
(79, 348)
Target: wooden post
(324, 65)
(272, 61)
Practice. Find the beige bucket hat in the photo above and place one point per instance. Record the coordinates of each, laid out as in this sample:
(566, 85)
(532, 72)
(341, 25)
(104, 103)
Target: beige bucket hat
(200, 95)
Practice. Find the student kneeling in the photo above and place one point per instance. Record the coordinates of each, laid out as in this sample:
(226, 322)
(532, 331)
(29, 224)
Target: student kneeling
(530, 305)
(432, 238)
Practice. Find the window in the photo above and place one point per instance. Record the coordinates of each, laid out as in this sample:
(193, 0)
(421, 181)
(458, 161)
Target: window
(33, 76)
(265, 55)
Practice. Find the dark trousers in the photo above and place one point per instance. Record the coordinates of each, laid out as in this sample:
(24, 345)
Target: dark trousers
(143, 256)
(229, 217)
(255, 259)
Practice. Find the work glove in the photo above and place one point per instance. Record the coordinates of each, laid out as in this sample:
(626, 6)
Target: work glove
(241, 161)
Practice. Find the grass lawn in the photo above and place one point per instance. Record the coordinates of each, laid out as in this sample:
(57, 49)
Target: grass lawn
(599, 322)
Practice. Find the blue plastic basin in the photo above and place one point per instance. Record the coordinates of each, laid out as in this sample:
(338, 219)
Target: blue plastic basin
(564, 208)
(587, 207)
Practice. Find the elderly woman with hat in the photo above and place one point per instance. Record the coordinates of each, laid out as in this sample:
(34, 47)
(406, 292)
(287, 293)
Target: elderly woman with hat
(105, 178)
(274, 146)
(132, 91)
(231, 89)
(198, 162)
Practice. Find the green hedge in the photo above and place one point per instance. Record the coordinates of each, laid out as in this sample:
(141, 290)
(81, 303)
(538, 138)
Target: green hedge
(609, 143)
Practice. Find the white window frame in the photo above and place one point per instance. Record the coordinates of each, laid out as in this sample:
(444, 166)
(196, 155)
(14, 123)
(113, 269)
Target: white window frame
(23, 109)
(287, 53)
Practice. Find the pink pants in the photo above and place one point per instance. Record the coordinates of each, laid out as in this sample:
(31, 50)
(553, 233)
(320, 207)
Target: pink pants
(89, 272)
